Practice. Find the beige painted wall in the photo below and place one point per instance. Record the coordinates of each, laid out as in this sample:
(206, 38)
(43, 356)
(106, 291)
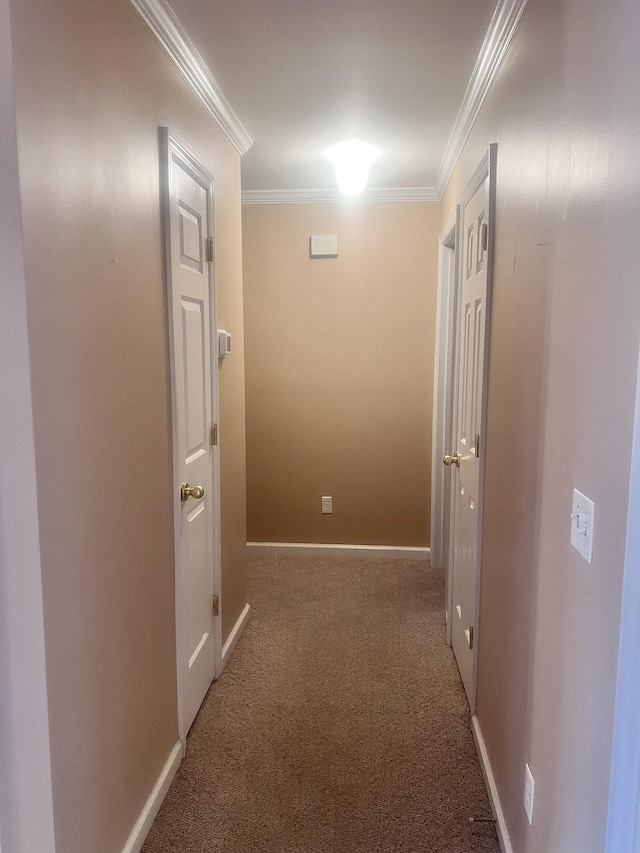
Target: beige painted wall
(339, 371)
(565, 330)
(92, 87)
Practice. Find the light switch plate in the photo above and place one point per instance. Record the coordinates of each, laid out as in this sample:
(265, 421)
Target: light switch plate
(529, 793)
(224, 343)
(582, 516)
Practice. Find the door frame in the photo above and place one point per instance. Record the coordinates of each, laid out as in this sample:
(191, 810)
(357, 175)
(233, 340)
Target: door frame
(623, 829)
(173, 149)
(443, 403)
(26, 793)
(485, 170)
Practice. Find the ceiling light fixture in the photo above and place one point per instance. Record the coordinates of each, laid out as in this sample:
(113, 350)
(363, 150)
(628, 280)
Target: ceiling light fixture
(351, 160)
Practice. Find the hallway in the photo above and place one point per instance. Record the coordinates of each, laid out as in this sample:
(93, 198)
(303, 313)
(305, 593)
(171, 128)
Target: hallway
(340, 723)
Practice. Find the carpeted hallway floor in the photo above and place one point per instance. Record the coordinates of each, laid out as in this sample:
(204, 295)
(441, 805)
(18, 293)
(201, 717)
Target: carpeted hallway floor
(339, 726)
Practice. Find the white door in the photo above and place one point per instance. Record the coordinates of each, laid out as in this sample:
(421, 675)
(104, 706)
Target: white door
(468, 438)
(191, 311)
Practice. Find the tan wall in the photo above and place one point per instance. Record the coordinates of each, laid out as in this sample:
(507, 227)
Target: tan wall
(92, 88)
(564, 348)
(339, 372)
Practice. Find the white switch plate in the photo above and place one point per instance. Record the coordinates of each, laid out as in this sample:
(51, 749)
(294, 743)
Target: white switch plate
(582, 515)
(224, 343)
(529, 792)
(327, 504)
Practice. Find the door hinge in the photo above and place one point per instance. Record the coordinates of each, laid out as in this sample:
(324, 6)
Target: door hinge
(210, 249)
(216, 605)
(485, 236)
(477, 447)
(214, 435)
(470, 636)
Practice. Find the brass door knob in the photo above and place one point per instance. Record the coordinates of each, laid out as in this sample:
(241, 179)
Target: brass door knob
(187, 491)
(452, 460)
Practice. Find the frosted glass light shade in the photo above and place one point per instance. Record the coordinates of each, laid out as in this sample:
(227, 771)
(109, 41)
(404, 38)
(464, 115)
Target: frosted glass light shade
(352, 160)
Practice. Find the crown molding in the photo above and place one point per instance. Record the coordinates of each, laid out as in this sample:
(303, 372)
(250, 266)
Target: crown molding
(288, 196)
(402, 194)
(333, 197)
(164, 24)
(502, 28)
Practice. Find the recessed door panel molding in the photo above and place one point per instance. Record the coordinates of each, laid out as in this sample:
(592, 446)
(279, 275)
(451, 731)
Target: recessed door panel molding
(470, 375)
(196, 404)
(191, 239)
(480, 245)
(469, 252)
(192, 325)
(197, 568)
(476, 371)
(464, 384)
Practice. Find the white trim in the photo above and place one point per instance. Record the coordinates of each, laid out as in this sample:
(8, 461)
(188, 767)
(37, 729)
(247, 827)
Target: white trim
(623, 830)
(401, 194)
(164, 24)
(26, 790)
(289, 196)
(442, 426)
(318, 196)
(234, 636)
(492, 790)
(309, 549)
(152, 806)
(479, 176)
(502, 29)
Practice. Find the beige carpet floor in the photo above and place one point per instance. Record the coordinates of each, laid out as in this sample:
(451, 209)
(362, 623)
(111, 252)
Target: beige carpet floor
(339, 726)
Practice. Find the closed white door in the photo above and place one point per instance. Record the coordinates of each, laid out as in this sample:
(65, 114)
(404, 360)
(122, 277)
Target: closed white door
(468, 439)
(191, 310)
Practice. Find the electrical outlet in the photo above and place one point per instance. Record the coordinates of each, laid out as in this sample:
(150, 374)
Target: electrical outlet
(529, 791)
(327, 504)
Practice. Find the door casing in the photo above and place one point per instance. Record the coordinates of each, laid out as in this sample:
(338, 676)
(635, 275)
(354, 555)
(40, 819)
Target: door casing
(443, 404)
(623, 827)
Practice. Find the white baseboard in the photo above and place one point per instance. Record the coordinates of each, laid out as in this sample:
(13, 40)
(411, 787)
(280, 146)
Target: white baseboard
(152, 806)
(308, 549)
(496, 808)
(234, 636)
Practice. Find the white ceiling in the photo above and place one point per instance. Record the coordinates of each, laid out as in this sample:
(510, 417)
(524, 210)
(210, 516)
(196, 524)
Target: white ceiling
(302, 75)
